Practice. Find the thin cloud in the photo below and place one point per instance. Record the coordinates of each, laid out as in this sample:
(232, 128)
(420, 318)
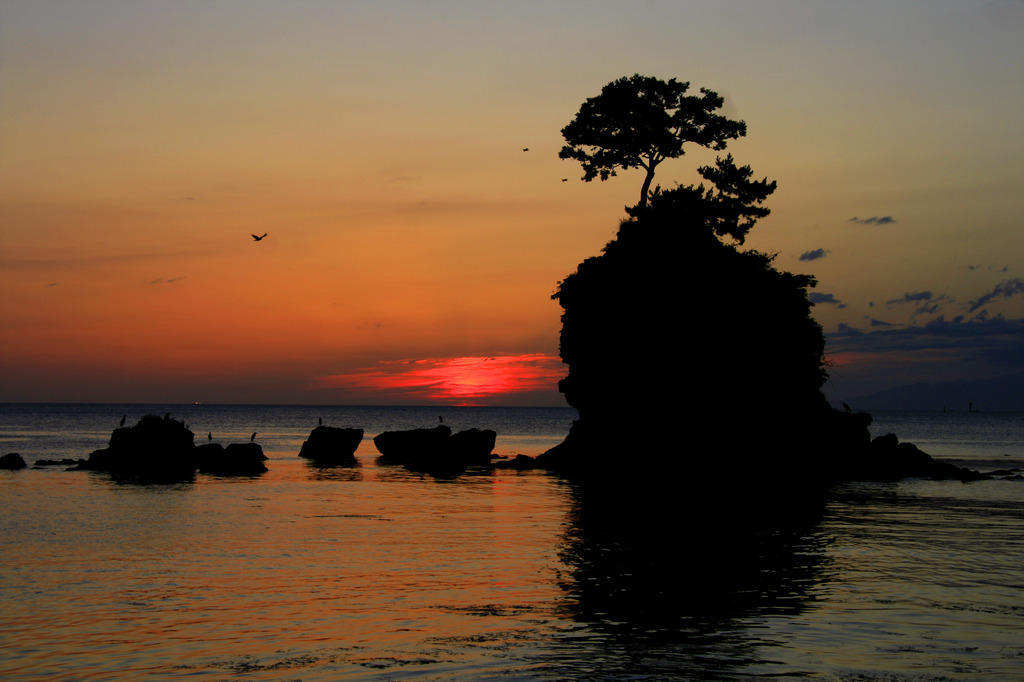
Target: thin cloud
(958, 332)
(844, 330)
(92, 261)
(1008, 288)
(873, 220)
(814, 254)
(924, 302)
(928, 308)
(826, 299)
(912, 297)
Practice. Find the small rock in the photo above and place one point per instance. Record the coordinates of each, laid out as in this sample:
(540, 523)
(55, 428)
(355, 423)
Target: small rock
(12, 461)
(237, 459)
(332, 445)
(520, 462)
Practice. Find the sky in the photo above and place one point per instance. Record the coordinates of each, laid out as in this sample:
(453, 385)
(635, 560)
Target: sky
(402, 159)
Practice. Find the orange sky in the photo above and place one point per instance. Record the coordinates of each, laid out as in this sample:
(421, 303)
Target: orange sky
(379, 145)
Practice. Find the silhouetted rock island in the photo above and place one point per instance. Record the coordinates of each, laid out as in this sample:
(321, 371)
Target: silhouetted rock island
(436, 450)
(693, 360)
(332, 445)
(237, 459)
(12, 460)
(690, 359)
(163, 449)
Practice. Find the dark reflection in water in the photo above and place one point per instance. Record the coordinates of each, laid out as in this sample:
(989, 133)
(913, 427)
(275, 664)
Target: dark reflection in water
(155, 484)
(318, 471)
(665, 589)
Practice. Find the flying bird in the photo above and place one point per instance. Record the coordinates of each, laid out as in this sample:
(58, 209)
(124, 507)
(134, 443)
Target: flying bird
(526, 149)
(565, 179)
(259, 238)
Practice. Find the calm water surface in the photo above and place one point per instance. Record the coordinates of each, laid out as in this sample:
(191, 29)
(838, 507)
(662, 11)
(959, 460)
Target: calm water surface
(371, 572)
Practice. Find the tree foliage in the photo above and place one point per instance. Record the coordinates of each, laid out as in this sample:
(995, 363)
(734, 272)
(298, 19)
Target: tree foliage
(639, 121)
(729, 207)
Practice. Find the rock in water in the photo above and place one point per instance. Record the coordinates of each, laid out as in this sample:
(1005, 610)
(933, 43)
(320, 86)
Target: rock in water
(436, 450)
(237, 459)
(401, 447)
(707, 398)
(66, 461)
(887, 459)
(12, 461)
(518, 462)
(473, 446)
(155, 449)
(332, 445)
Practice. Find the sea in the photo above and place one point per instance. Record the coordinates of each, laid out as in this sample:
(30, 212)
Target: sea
(374, 572)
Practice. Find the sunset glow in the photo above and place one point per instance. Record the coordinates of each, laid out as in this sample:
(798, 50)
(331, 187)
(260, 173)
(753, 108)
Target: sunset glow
(402, 159)
(457, 381)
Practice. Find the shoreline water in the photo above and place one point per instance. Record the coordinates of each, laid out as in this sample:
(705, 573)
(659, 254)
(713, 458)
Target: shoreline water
(374, 572)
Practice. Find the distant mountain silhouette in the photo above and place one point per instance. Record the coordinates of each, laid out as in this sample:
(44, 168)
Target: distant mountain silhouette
(1001, 394)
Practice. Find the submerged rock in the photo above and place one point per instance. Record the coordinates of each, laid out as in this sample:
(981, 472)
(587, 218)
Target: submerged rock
(12, 461)
(332, 445)
(66, 461)
(519, 462)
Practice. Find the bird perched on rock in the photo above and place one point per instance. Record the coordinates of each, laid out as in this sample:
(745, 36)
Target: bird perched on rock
(260, 238)
(122, 419)
(252, 438)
